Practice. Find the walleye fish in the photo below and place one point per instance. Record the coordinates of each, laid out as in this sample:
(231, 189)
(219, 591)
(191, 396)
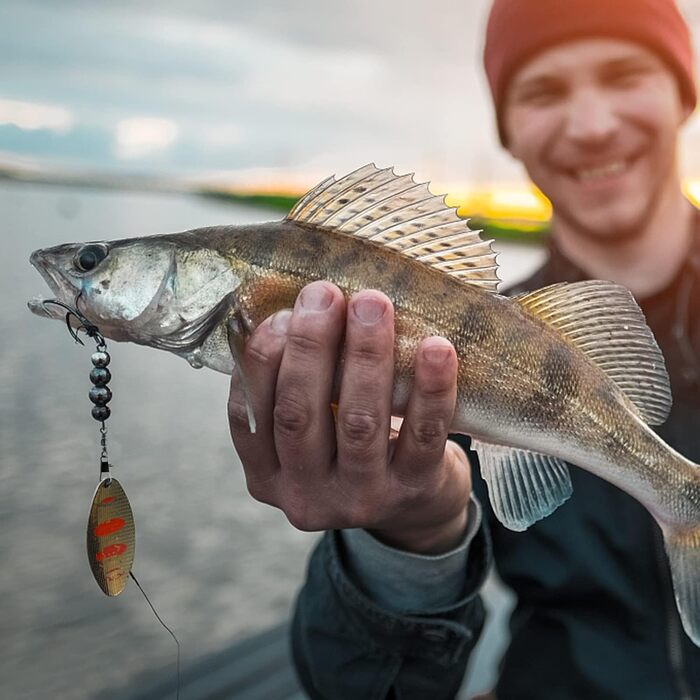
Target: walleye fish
(568, 373)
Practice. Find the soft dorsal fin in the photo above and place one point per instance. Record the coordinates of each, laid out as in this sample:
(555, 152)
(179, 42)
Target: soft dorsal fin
(603, 319)
(400, 213)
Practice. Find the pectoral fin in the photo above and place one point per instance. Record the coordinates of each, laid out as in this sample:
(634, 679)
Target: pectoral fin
(524, 487)
(238, 332)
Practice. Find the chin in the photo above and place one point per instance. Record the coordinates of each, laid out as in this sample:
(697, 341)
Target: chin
(609, 223)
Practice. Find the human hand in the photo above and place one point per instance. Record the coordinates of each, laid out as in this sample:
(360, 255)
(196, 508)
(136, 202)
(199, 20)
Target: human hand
(412, 491)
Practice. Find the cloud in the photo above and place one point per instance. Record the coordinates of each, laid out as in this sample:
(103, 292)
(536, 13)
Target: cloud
(31, 116)
(139, 137)
(317, 85)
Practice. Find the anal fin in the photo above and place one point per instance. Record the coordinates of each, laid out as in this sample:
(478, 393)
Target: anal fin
(524, 487)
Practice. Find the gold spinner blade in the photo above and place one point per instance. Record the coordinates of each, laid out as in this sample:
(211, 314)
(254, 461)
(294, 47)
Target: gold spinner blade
(111, 537)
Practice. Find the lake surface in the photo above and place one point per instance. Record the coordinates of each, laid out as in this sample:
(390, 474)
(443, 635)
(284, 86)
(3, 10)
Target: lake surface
(217, 565)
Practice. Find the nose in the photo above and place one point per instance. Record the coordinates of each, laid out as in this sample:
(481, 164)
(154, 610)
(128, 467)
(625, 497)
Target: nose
(591, 118)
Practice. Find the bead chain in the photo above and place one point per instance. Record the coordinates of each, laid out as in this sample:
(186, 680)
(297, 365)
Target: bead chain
(101, 395)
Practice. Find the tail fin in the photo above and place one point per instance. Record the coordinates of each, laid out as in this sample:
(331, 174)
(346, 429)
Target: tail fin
(683, 549)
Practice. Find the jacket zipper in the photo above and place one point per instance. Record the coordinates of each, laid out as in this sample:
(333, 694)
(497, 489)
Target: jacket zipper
(674, 632)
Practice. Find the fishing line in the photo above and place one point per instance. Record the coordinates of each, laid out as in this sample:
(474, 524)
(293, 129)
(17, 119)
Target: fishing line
(111, 533)
(172, 634)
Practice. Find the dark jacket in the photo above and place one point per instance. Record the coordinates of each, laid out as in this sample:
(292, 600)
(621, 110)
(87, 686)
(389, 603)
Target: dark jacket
(595, 615)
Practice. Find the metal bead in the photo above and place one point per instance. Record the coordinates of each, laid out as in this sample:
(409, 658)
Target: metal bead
(100, 412)
(100, 376)
(100, 395)
(100, 358)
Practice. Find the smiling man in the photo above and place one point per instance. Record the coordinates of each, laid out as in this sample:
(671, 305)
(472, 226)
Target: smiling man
(590, 96)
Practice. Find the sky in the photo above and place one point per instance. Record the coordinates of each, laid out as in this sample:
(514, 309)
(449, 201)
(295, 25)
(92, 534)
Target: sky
(256, 92)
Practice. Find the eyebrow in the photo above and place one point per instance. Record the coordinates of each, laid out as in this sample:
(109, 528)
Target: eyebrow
(627, 62)
(547, 80)
(537, 82)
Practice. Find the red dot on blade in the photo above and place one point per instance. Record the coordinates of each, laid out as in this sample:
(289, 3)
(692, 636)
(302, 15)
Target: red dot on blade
(113, 550)
(108, 527)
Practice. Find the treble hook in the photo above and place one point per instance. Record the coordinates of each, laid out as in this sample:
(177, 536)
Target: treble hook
(90, 328)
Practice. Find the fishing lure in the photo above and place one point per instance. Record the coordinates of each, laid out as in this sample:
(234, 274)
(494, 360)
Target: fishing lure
(111, 532)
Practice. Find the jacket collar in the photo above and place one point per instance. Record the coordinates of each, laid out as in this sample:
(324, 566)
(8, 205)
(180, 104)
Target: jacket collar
(558, 268)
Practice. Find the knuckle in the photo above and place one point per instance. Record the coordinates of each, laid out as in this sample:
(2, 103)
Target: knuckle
(428, 433)
(261, 491)
(304, 344)
(366, 355)
(301, 522)
(292, 417)
(360, 427)
(261, 355)
(301, 518)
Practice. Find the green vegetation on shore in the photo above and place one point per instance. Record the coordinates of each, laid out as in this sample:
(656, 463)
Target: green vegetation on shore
(282, 202)
(533, 232)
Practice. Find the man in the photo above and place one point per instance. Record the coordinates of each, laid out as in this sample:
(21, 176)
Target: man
(590, 96)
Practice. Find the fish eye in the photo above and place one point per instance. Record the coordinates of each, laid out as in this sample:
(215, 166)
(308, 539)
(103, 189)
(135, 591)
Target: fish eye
(90, 256)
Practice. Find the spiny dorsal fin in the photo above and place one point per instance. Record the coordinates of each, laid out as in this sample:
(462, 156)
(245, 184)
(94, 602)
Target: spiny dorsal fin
(400, 213)
(603, 319)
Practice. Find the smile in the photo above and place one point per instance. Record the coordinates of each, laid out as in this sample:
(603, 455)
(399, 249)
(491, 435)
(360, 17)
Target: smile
(602, 171)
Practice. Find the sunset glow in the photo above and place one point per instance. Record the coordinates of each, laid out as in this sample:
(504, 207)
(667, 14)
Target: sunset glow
(508, 201)
(692, 191)
(501, 201)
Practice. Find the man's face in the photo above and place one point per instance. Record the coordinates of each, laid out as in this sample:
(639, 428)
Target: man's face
(595, 123)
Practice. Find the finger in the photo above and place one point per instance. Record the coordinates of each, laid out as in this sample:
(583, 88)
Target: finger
(260, 365)
(421, 443)
(364, 407)
(303, 422)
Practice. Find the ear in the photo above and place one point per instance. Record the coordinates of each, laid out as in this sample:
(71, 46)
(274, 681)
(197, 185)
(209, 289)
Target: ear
(686, 112)
(504, 130)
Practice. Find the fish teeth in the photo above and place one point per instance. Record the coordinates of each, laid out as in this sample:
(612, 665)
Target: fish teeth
(614, 168)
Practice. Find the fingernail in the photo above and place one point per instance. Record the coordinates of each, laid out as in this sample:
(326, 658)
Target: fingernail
(316, 298)
(437, 355)
(280, 321)
(368, 309)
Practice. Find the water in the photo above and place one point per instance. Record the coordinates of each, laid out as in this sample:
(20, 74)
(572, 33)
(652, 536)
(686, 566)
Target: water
(217, 565)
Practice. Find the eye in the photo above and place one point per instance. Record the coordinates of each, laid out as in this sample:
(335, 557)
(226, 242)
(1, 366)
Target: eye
(90, 256)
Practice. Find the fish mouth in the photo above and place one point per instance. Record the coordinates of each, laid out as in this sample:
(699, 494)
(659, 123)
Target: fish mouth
(38, 306)
(61, 289)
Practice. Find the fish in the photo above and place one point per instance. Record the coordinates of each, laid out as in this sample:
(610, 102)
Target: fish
(567, 374)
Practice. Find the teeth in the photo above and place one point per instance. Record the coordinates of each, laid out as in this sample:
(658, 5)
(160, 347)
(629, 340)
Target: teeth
(602, 171)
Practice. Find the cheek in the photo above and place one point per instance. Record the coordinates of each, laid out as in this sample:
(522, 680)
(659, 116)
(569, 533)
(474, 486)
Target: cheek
(529, 132)
(657, 115)
(110, 300)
